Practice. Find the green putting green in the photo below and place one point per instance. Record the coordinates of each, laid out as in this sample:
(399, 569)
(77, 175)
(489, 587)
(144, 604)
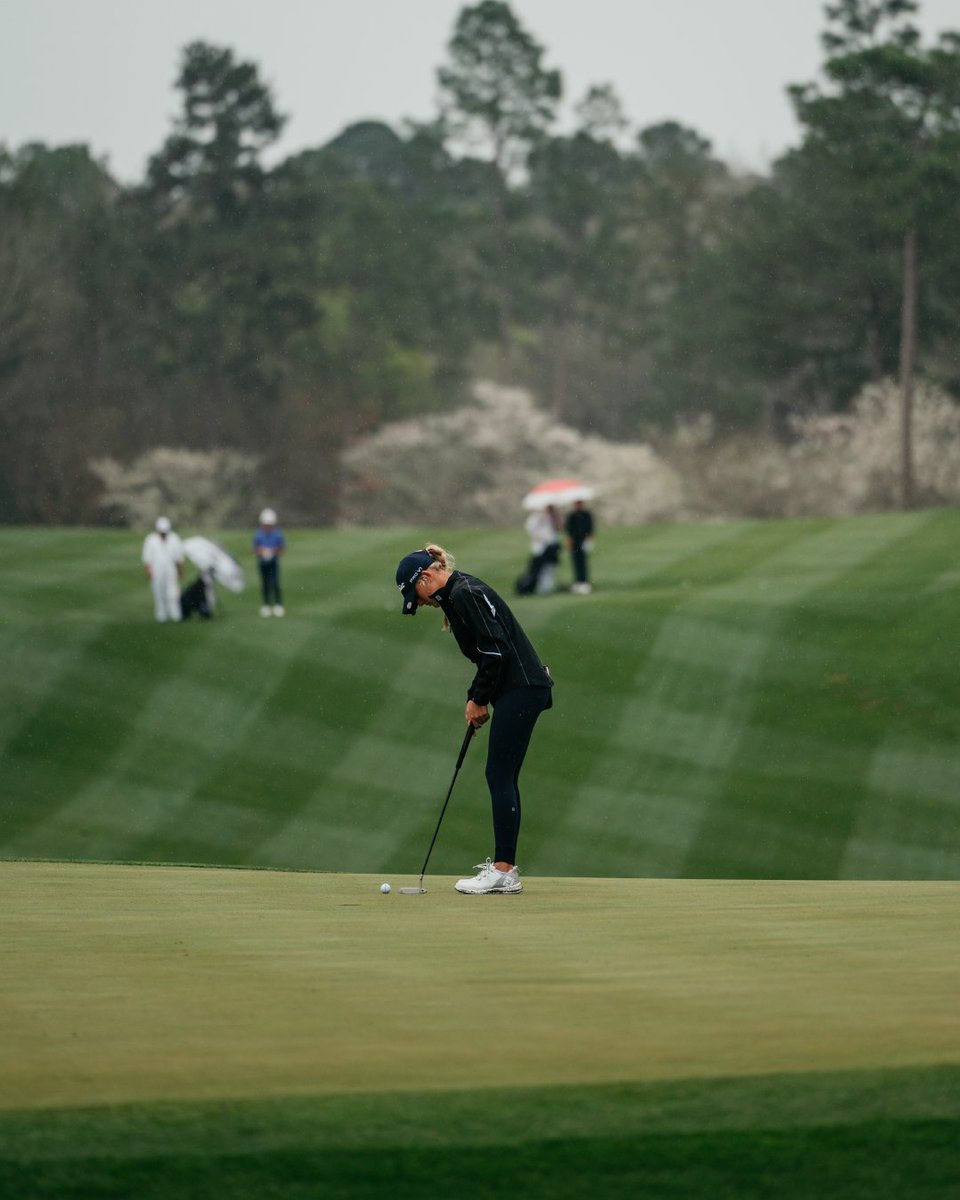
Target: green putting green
(132, 983)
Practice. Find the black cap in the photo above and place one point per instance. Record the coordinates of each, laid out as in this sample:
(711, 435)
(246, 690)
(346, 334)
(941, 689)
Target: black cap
(409, 571)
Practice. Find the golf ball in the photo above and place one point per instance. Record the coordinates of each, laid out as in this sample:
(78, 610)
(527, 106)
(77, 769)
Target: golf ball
(384, 887)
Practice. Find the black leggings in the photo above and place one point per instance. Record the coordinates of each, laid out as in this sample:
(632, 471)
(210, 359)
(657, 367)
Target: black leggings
(270, 580)
(514, 716)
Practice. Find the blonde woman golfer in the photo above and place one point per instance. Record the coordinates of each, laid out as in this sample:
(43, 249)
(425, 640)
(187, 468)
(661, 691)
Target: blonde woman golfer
(509, 678)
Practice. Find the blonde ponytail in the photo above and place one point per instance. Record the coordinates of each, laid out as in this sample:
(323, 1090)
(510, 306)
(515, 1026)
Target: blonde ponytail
(443, 558)
(446, 562)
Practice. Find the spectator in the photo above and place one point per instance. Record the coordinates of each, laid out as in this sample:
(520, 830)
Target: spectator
(268, 545)
(579, 530)
(162, 559)
(543, 528)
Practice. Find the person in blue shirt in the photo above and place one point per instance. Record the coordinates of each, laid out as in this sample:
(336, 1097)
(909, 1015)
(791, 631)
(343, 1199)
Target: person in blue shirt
(268, 545)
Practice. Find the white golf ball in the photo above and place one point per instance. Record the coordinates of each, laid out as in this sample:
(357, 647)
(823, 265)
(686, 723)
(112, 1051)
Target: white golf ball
(384, 887)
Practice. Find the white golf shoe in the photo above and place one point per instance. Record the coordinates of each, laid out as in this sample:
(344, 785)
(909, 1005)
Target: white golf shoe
(490, 880)
(278, 610)
(265, 610)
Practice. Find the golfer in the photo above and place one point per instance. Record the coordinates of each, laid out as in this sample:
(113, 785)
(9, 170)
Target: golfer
(510, 678)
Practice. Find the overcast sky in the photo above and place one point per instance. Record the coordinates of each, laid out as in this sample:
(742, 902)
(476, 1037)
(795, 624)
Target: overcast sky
(101, 72)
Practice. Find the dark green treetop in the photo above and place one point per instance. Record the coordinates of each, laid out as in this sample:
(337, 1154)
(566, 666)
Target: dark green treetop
(211, 161)
(496, 95)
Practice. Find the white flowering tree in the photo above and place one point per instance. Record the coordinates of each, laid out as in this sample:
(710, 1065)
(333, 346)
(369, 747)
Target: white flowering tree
(211, 489)
(857, 457)
(474, 465)
(837, 465)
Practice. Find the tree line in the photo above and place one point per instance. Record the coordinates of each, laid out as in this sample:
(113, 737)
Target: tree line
(630, 278)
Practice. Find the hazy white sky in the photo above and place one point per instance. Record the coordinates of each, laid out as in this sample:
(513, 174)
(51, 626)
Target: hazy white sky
(102, 71)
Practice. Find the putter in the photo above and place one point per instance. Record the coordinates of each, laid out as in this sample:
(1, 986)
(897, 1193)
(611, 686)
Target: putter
(420, 889)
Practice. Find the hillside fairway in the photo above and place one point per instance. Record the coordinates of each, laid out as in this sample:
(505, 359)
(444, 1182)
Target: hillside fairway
(178, 1028)
(754, 700)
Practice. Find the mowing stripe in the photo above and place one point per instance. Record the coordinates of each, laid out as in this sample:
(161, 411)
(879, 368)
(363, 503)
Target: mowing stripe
(83, 722)
(37, 662)
(908, 827)
(90, 821)
(774, 842)
(659, 732)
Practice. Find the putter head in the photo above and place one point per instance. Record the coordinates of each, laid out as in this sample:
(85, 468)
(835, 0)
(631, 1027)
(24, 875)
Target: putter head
(412, 891)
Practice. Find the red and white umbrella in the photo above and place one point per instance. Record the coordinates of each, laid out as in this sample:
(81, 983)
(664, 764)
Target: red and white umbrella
(557, 491)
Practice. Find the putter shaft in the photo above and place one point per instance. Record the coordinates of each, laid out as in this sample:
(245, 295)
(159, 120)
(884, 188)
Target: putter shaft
(468, 737)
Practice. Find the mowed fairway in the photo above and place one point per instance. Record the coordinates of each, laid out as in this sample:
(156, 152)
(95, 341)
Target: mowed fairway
(130, 987)
(752, 700)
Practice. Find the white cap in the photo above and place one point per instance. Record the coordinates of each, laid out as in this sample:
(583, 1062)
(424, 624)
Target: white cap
(163, 525)
(268, 517)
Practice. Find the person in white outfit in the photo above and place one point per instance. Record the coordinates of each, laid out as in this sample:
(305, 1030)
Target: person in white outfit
(163, 562)
(543, 528)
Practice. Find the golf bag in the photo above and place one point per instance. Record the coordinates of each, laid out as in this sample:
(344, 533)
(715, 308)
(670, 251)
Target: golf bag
(195, 598)
(539, 565)
(527, 582)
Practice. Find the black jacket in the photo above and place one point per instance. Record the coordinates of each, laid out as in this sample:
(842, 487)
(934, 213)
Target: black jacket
(579, 526)
(489, 635)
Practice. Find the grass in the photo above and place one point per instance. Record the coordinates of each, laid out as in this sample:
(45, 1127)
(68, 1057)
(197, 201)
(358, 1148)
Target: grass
(752, 700)
(289, 1151)
(211, 1033)
(733, 972)
(159, 983)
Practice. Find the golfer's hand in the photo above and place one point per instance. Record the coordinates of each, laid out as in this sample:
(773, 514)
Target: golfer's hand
(476, 714)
